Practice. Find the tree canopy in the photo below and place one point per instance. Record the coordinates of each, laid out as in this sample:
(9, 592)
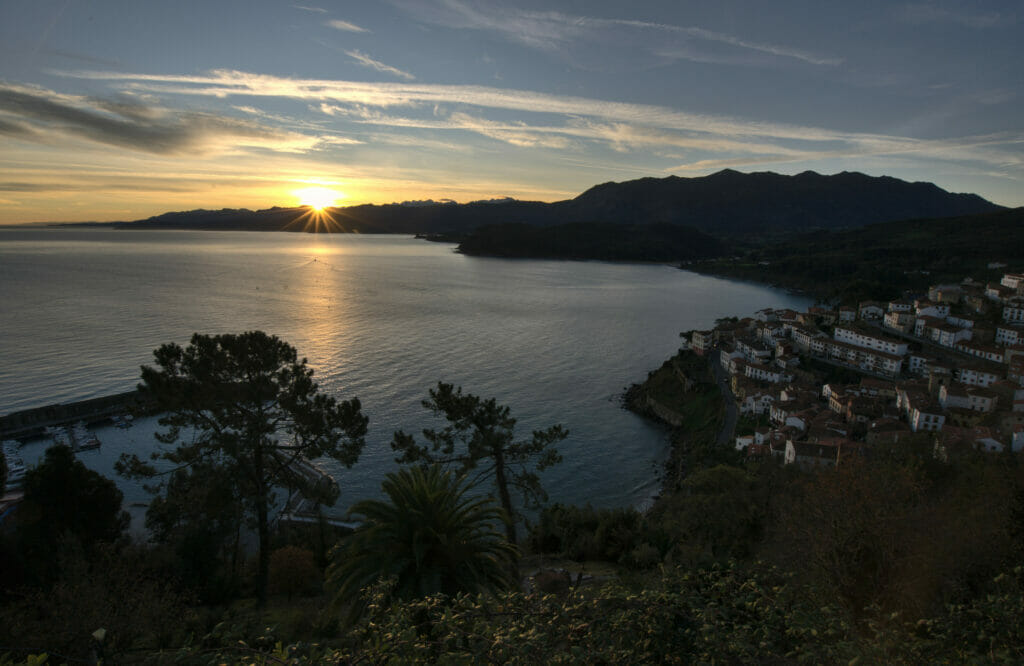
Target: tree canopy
(63, 496)
(64, 502)
(246, 410)
(480, 439)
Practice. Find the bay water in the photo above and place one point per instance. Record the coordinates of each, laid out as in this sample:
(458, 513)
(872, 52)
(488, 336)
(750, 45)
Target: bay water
(382, 318)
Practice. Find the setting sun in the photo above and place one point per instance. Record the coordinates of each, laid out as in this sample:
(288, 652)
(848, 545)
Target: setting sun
(318, 198)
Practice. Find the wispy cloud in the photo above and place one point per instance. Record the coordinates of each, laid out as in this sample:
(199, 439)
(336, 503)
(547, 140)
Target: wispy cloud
(40, 114)
(308, 8)
(228, 83)
(701, 34)
(925, 12)
(551, 31)
(345, 26)
(561, 122)
(367, 61)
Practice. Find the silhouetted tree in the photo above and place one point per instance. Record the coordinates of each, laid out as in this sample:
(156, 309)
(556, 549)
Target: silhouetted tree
(64, 498)
(252, 410)
(201, 519)
(428, 538)
(480, 438)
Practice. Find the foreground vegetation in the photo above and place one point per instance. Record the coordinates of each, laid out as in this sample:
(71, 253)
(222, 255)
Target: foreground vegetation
(893, 558)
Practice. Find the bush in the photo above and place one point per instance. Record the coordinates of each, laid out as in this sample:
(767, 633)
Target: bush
(292, 571)
(586, 533)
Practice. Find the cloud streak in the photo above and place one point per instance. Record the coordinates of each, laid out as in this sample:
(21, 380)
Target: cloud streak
(367, 61)
(356, 94)
(345, 26)
(552, 31)
(923, 13)
(620, 125)
(36, 113)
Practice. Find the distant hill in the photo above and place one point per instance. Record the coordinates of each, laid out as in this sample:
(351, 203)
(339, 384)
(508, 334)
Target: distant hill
(879, 260)
(727, 203)
(730, 202)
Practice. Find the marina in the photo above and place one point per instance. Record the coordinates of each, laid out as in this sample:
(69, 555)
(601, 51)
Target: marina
(45, 421)
(15, 465)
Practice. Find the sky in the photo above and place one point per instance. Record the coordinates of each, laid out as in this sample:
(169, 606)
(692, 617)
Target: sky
(118, 110)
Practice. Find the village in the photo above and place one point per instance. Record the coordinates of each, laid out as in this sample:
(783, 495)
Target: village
(943, 369)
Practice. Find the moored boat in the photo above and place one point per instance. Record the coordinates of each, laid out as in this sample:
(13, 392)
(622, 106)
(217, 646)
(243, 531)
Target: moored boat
(84, 438)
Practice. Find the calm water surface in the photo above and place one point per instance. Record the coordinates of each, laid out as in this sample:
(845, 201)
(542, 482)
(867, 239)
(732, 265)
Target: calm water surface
(383, 318)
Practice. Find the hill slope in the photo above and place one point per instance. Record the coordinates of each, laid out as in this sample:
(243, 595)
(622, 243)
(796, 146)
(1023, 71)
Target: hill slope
(729, 202)
(877, 260)
(726, 203)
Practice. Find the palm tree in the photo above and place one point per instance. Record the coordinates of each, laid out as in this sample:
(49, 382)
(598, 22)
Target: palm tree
(428, 538)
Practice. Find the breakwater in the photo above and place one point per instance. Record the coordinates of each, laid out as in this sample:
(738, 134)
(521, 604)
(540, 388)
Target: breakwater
(32, 422)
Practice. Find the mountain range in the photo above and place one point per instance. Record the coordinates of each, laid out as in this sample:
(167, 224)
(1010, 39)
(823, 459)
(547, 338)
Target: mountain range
(723, 204)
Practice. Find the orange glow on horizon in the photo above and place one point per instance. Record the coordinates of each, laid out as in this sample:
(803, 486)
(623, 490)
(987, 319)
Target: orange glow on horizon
(318, 198)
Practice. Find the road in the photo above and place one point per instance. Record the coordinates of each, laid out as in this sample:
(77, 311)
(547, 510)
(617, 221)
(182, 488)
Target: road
(728, 432)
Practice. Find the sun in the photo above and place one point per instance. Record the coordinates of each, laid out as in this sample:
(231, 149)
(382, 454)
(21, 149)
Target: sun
(318, 198)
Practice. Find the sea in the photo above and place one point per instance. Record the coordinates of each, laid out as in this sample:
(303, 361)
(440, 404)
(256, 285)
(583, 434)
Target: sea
(380, 317)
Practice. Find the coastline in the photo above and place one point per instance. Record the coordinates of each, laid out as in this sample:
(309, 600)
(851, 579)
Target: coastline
(683, 397)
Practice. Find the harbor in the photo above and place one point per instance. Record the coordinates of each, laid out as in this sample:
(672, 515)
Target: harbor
(35, 422)
(81, 425)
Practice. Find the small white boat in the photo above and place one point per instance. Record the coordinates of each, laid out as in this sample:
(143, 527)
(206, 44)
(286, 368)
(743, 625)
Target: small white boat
(15, 473)
(15, 466)
(10, 447)
(84, 438)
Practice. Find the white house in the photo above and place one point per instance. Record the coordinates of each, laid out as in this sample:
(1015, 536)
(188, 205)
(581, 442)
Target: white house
(899, 321)
(702, 341)
(1013, 313)
(1012, 280)
(757, 403)
(1006, 335)
(918, 363)
(901, 306)
(984, 352)
(948, 335)
(976, 376)
(926, 417)
(924, 307)
(967, 397)
(764, 373)
(771, 332)
(753, 350)
(998, 292)
(870, 340)
(923, 323)
(802, 338)
(870, 310)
